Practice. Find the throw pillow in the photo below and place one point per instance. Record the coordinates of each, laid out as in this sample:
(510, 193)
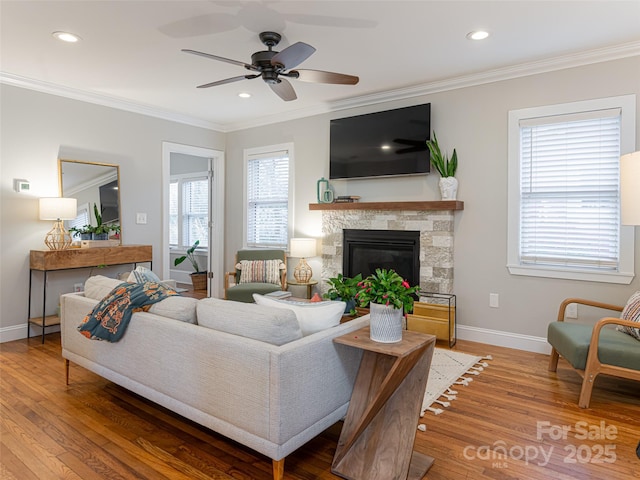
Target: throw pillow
(98, 286)
(260, 271)
(271, 325)
(312, 316)
(631, 312)
(143, 275)
(176, 307)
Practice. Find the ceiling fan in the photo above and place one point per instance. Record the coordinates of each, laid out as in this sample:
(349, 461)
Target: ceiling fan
(272, 65)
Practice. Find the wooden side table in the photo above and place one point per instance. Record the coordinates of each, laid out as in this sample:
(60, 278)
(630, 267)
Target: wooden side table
(376, 442)
(308, 284)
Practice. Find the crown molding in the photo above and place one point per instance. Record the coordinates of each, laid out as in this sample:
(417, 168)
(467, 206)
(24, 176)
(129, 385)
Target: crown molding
(105, 100)
(506, 73)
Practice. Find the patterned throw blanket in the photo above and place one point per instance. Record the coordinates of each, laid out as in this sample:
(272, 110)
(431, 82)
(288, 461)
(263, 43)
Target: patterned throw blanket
(109, 319)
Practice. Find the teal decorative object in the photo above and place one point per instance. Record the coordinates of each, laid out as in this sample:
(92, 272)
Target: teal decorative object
(324, 191)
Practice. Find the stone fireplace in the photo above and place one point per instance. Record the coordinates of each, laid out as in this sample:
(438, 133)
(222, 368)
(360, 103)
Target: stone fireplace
(435, 227)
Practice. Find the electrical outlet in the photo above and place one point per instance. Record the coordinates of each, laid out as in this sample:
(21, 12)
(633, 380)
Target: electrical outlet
(494, 300)
(571, 311)
(78, 287)
(141, 218)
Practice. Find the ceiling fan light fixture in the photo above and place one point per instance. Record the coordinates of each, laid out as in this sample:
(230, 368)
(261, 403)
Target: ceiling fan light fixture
(477, 35)
(66, 37)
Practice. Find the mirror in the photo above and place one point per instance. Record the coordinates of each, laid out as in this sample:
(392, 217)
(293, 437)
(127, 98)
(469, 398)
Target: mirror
(92, 183)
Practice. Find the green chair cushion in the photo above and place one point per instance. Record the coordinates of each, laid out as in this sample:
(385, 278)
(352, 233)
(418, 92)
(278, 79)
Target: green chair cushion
(572, 340)
(244, 291)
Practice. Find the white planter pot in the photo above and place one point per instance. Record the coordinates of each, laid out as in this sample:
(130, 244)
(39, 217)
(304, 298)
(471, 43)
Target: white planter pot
(448, 188)
(386, 323)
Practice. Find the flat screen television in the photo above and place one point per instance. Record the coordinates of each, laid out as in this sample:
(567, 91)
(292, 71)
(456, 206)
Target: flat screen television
(109, 202)
(381, 144)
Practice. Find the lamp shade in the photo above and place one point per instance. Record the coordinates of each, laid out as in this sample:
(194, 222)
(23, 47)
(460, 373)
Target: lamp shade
(630, 188)
(303, 247)
(58, 208)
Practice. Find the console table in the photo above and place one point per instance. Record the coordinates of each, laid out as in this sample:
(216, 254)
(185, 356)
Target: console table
(376, 442)
(54, 260)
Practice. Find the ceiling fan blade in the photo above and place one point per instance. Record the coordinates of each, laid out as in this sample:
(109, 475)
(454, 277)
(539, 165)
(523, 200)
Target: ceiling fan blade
(228, 80)
(284, 90)
(318, 76)
(221, 59)
(293, 55)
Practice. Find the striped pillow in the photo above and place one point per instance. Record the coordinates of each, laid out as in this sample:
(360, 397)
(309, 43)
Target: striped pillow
(260, 271)
(632, 312)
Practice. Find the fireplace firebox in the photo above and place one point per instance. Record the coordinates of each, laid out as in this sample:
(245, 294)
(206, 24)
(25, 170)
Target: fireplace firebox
(366, 250)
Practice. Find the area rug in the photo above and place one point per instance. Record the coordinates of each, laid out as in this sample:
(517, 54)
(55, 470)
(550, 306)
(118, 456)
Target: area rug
(449, 368)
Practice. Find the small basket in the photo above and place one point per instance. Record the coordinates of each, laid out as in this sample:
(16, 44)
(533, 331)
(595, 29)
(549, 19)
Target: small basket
(199, 280)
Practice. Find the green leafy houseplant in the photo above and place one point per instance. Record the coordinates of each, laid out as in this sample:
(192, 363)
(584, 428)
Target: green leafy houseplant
(190, 255)
(446, 167)
(386, 287)
(345, 289)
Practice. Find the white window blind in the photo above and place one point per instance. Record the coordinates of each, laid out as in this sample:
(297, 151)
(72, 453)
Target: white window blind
(268, 199)
(569, 182)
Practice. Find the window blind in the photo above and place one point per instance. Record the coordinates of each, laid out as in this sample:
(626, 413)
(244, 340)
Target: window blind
(569, 182)
(268, 200)
(195, 210)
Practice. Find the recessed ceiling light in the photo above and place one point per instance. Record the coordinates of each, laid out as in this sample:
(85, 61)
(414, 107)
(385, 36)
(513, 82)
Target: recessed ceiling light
(244, 95)
(477, 35)
(66, 37)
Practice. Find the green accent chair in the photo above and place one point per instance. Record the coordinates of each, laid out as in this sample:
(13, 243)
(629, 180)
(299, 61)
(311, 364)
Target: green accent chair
(592, 349)
(243, 292)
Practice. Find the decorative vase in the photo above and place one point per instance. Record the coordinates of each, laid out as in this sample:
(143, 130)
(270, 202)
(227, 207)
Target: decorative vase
(199, 280)
(386, 323)
(448, 188)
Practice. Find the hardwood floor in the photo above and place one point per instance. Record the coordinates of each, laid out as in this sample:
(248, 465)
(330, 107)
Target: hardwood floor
(93, 429)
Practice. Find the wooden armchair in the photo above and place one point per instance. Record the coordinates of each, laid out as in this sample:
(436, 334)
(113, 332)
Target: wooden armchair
(593, 350)
(243, 292)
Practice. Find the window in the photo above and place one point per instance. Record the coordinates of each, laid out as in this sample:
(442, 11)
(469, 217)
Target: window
(268, 196)
(564, 199)
(188, 210)
(81, 219)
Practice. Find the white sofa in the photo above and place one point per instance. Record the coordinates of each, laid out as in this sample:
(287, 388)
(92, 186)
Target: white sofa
(270, 398)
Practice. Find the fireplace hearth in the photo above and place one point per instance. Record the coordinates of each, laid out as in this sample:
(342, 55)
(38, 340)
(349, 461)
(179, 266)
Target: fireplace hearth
(366, 250)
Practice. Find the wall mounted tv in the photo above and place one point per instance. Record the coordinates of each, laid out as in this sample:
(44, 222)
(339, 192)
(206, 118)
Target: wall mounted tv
(381, 144)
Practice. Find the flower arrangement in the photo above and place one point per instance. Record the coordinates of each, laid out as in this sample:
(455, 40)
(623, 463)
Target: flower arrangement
(386, 287)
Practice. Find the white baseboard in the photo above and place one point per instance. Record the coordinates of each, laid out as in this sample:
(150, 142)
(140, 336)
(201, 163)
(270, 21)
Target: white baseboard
(499, 338)
(18, 332)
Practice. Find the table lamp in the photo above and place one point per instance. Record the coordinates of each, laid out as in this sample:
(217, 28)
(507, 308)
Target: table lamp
(630, 188)
(302, 248)
(58, 209)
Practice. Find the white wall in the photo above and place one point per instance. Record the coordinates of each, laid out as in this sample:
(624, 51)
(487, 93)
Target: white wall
(35, 127)
(474, 120)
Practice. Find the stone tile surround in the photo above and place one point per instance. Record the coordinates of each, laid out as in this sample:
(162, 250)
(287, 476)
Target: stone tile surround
(436, 241)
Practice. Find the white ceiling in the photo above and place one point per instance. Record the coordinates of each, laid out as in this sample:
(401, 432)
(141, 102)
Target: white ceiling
(130, 54)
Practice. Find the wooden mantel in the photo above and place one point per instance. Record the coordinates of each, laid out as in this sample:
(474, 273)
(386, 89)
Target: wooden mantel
(416, 206)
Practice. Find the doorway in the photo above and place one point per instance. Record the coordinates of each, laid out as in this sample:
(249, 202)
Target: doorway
(193, 173)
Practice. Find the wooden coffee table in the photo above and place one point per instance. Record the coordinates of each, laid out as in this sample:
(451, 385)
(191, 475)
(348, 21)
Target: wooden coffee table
(376, 442)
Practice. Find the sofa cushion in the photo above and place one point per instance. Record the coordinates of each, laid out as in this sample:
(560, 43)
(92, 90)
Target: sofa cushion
(176, 307)
(631, 312)
(260, 271)
(272, 325)
(98, 286)
(143, 275)
(312, 316)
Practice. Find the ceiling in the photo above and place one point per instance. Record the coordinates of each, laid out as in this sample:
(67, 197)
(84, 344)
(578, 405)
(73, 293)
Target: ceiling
(130, 53)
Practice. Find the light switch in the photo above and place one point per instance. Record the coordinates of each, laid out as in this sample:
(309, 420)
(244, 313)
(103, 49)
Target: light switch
(141, 218)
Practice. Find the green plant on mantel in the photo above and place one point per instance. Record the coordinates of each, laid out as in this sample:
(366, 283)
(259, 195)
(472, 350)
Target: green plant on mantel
(446, 167)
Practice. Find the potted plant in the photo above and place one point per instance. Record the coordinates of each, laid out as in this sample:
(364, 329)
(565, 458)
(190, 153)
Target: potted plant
(387, 295)
(85, 232)
(198, 277)
(100, 231)
(446, 168)
(345, 289)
